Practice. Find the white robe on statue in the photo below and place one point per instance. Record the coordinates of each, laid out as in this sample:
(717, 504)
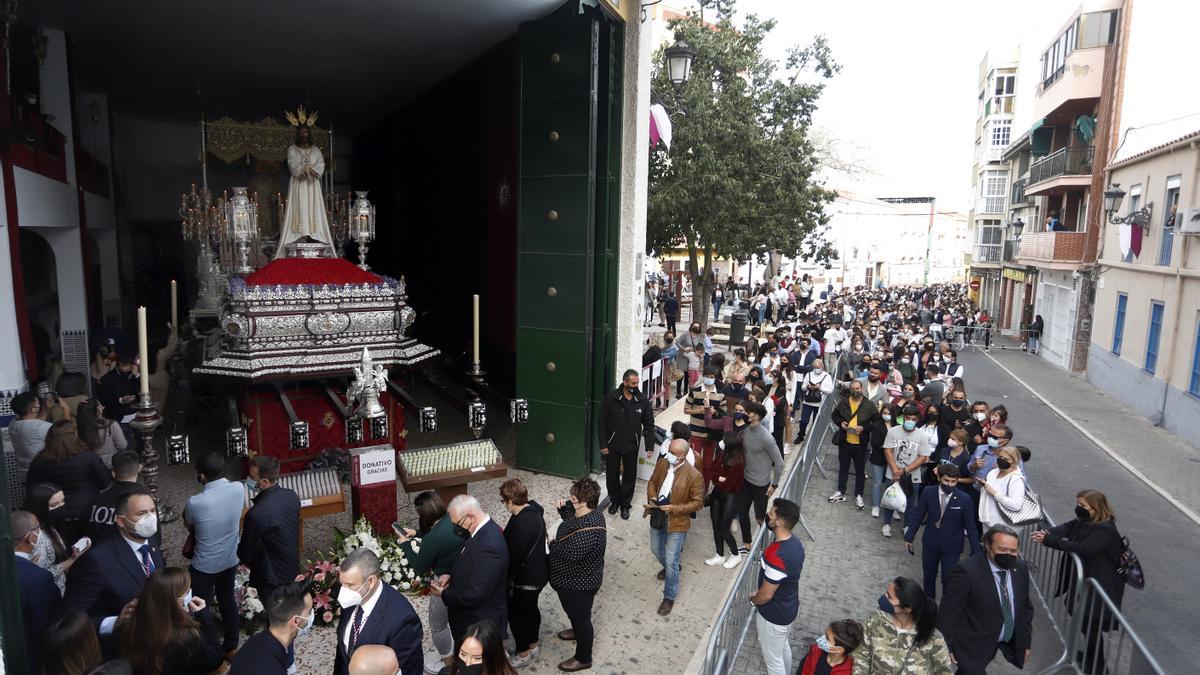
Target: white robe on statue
(305, 215)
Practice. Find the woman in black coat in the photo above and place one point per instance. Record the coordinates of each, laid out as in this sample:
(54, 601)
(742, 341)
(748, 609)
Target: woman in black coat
(1093, 536)
(528, 569)
(80, 473)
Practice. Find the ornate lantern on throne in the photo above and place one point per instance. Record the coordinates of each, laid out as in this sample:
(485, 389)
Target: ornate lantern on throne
(241, 214)
(362, 226)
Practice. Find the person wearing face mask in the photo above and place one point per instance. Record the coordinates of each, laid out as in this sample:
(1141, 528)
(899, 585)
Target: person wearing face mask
(954, 416)
(908, 371)
(626, 418)
(1004, 485)
(831, 653)
(879, 426)
(901, 637)
(1092, 535)
(906, 448)
(777, 600)
(40, 597)
(52, 552)
(576, 561)
(987, 606)
(170, 631)
(812, 390)
(79, 473)
(290, 616)
(934, 390)
(977, 426)
(477, 586)
(480, 652)
(374, 613)
(214, 519)
(270, 544)
(948, 516)
(985, 456)
(674, 491)
(852, 417)
(705, 400)
(104, 582)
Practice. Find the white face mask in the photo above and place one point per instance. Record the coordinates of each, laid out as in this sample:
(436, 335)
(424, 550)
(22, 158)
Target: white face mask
(147, 526)
(980, 416)
(186, 599)
(348, 597)
(672, 459)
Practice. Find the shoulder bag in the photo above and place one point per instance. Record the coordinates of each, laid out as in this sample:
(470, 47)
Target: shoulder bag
(1030, 511)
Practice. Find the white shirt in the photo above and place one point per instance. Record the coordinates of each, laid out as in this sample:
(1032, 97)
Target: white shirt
(1010, 491)
(668, 481)
(833, 339)
(479, 527)
(367, 605)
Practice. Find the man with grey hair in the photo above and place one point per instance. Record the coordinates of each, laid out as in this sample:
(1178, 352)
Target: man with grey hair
(986, 605)
(374, 613)
(477, 586)
(374, 660)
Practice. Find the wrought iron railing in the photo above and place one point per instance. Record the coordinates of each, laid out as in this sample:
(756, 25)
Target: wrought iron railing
(1068, 161)
(987, 253)
(1018, 191)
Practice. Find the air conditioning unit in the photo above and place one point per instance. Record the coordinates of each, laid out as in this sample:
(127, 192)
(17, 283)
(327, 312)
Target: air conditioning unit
(1189, 221)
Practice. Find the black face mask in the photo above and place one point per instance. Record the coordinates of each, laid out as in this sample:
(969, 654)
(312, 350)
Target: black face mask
(1005, 561)
(461, 532)
(946, 489)
(1003, 464)
(956, 403)
(464, 669)
(1082, 513)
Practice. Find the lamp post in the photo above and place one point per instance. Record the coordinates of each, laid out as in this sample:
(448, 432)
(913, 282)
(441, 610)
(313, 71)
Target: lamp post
(679, 62)
(242, 215)
(1112, 203)
(362, 226)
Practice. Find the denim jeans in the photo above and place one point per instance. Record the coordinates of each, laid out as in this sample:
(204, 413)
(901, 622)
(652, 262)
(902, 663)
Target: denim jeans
(876, 483)
(666, 547)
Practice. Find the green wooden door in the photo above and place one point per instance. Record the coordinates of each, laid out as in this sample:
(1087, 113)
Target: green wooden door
(564, 303)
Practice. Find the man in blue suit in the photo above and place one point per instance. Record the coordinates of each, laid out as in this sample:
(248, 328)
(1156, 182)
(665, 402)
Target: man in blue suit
(39, 596)
(477, 587)
(374, 613)
(104, 581)
(948, 515)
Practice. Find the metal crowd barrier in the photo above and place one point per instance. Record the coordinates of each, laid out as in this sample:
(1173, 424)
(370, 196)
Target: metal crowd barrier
(728, 633)
(654, 383)
(1102, 641)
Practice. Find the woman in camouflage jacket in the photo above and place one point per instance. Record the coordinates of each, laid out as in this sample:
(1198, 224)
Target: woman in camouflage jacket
(901, 638)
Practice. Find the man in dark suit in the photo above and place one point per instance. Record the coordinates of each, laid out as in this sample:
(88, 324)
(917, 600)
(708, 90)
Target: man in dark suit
(625, 417)
(948, 515)
(986, 605)
(270, 544)
(126, 466)
(374, 613)
(103, 582)
(289, 614)
(40, 598)
(477, 586)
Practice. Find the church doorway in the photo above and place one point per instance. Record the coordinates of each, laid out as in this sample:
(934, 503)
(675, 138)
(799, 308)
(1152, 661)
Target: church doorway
(40, 273)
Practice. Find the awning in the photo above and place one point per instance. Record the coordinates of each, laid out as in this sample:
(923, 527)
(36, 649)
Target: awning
(1039, 140)
(1085, 126)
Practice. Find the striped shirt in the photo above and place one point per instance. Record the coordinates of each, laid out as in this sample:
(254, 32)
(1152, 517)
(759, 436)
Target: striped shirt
(697, 398)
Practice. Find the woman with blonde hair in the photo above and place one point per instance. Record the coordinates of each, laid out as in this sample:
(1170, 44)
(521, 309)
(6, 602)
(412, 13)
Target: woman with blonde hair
(1003, 486)
(170, 632)
(1093, 536)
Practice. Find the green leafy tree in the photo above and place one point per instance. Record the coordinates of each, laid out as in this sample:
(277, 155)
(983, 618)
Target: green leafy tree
(739, 178)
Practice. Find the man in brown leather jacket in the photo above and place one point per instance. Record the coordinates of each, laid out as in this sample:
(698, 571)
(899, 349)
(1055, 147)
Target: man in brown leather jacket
(674, 491)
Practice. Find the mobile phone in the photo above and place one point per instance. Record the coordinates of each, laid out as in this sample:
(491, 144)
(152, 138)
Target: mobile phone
(82, 545)
(912, 551)
(398, 527)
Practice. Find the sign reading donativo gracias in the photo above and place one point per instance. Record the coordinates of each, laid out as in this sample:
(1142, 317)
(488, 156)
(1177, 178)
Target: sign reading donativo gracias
(374, 464)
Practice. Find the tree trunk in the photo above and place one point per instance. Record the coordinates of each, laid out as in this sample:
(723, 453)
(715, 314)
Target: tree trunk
(774, 262)
(702, 284)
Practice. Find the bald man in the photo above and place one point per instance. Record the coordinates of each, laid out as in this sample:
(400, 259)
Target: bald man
(374, 660)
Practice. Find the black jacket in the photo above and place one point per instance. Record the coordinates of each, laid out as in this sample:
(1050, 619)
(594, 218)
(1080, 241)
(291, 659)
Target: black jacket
(197, 654)
(106, 577)
(478, 583)
(1098, 546)
(81, 478)
(262, 654)
(623, 420)
(866, 412)
(525, 535)
(40, 600)
(393, 622)
(947, 419)
(970, 616)
(99, 522)
(113, 386)
(270, 544)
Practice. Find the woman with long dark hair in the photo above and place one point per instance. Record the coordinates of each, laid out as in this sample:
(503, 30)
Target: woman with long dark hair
(70, 646)
(726, 474)
(170, 631)
(438, 552)
(100, 434)
(81, 475)
(1093, 535)
(483, 646)
(52, 552)
(901, 637)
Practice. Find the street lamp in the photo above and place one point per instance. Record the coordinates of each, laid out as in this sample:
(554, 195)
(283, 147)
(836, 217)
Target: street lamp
(1017, 226)
(1112, 202)
(679, 62)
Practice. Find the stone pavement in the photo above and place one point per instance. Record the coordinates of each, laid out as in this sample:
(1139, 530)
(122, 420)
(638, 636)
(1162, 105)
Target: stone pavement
(1153, 452)
(847, 568)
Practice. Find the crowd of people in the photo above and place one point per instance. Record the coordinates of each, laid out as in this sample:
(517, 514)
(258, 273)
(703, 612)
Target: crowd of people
(938, 460)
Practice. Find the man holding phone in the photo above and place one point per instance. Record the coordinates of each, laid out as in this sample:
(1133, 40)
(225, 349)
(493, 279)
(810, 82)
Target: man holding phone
(118, 391)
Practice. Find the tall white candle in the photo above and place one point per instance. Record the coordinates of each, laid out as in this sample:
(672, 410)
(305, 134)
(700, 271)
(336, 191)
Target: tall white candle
(475, 304)
(174, 307)
(143, 351)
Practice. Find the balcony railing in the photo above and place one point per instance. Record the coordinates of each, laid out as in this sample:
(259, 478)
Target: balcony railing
(1018, 191)
(1069, 161)
(989, 205)
(1052, 246)
(987, 253)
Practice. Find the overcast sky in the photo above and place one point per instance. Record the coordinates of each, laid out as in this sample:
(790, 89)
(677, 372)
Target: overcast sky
(904, 103)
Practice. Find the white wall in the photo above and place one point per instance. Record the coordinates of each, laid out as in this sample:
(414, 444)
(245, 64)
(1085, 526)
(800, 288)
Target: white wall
(1159, 82)
(56, 93)
(12, 363)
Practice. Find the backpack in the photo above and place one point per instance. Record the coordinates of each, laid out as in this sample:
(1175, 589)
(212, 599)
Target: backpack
(1129, 567)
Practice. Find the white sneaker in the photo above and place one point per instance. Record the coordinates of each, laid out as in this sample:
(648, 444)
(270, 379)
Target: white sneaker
(887, 530)
(732, 561)
(837, 497)
(874, 511)
(715, 560)
(859, 502)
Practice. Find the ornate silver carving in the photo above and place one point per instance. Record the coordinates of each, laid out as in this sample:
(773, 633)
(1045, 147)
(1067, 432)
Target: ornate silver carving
(370, 380)
(304, 249)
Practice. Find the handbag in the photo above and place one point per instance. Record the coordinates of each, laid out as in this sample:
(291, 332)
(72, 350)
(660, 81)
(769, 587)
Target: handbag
(1130, 568)
(1030, 511)
(189, 546)
(814, 395)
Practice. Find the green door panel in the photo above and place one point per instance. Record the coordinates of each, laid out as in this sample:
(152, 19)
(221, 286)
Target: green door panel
(557, 57)
(553, 441)
(559, 134)
(562, 308)
(556, 367)
(566, 231)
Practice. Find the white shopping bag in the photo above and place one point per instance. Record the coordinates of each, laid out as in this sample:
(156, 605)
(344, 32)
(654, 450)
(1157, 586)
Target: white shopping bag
(893, 498)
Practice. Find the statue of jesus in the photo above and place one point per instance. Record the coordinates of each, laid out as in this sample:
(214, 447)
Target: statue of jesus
(305, 214)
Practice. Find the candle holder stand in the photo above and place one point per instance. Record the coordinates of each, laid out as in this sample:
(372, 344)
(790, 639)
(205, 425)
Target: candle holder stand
(145, 421)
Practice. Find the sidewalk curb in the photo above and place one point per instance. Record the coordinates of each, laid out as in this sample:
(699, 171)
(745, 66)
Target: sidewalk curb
(1195, 518)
